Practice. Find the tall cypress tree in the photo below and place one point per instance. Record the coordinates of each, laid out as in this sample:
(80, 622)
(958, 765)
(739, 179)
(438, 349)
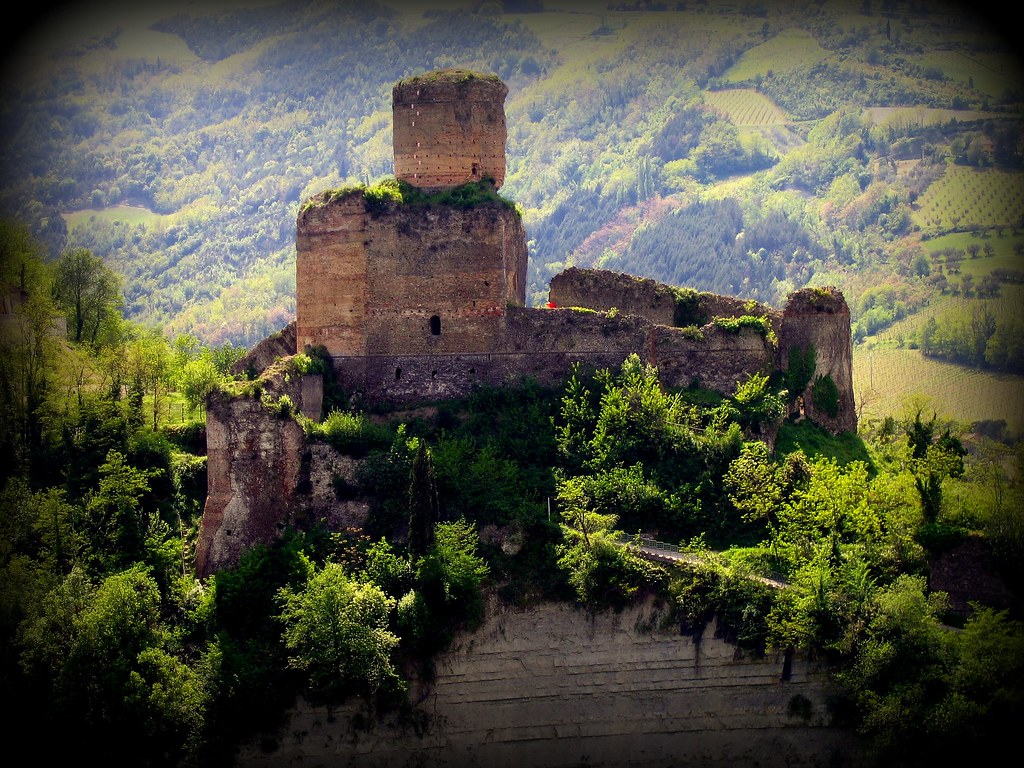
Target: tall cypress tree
(423, 505)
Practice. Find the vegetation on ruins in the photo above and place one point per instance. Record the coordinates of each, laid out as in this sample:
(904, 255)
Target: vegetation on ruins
(522, 493)
(395, 191)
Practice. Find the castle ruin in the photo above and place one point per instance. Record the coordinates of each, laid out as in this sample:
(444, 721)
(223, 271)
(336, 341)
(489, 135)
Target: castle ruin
(423, 299)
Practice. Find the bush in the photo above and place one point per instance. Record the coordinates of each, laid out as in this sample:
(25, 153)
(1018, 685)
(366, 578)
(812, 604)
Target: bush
(350, 433)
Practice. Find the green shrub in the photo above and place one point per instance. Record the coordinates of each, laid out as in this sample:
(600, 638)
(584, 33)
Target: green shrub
(758, 323)
(350, 433)
(383, 192)
(687, 308)
(307, 364)
(282, 407)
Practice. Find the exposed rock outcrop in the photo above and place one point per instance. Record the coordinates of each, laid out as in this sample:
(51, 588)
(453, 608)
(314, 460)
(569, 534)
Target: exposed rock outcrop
(555, 687)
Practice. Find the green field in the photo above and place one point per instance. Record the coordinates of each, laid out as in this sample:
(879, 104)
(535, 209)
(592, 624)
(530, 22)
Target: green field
(125, 214)
(885, 379)
(908, 117)
(790, 49)
(994, 75)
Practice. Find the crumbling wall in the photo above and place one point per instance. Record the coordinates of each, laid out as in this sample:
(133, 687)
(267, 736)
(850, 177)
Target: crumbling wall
(253, 469)
(258, 467)
(603, 290)
(718, 359)
(819, 318)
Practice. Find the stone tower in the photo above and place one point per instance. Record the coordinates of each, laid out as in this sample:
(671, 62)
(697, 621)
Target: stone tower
(410, 297)
(449, 128)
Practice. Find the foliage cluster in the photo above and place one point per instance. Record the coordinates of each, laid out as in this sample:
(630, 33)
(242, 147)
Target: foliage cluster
(979, 337)
(759, 323)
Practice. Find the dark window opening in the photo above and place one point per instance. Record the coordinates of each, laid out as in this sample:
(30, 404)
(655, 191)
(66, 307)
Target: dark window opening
(435, 325)
(398, 373)
(476, 170)
(472, 371)
(433, 374)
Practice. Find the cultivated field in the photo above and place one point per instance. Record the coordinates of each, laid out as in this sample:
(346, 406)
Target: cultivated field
(966, 198)
(745, 107)
(884, 379)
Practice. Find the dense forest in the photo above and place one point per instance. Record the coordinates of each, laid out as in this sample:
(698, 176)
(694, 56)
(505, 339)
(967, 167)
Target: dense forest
(109, 638)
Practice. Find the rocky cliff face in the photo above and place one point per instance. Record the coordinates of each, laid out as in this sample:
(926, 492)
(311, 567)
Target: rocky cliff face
(554, 686)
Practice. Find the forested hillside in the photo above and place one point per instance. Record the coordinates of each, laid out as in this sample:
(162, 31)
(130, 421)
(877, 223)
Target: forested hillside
(747, 148)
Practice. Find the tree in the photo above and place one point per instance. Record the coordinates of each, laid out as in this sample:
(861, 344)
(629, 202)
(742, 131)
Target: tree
(28, 348)
(423, 506)
(450, 575)
(94, 651)
(197, 380)
(337, 631)
(759, 407)
(149, 369)
(117, 523)
(87, 291)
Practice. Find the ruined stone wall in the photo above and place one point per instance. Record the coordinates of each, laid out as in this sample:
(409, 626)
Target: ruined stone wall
(718, 360)
(602, 289)
(331, 282)
(544, 344)
(449, 128)
(258, 469)
(553, 686)
(253, 468)
(820, 317)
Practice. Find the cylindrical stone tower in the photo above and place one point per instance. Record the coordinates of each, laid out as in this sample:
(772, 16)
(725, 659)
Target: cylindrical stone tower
(449, 128)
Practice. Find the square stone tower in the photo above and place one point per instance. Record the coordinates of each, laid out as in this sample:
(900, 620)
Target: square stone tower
(408, 292)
